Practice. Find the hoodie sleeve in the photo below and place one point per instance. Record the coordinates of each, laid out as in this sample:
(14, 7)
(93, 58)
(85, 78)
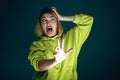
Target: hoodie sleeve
(83, 27)
(36, 54)
(77, 35)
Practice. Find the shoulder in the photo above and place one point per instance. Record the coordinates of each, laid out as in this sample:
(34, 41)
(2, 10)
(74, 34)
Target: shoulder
(37, 43)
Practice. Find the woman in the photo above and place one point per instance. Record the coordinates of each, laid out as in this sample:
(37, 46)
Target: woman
(55, 53)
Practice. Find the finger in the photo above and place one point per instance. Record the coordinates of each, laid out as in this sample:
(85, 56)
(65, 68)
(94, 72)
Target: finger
(57, 49)
(58, 42)
(69, 51)
(53, 8)
(63, 43)
(58, 45)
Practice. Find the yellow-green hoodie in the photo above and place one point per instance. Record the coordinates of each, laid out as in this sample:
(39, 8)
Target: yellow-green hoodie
(44, 48)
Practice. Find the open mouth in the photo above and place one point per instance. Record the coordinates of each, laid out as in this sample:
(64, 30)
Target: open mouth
(49, 29)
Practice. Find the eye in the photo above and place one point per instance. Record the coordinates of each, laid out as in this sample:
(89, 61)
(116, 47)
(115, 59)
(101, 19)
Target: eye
(53, 19)
(43, 20)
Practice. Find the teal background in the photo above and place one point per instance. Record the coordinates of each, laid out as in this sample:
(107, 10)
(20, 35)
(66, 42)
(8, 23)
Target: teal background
(99, 57)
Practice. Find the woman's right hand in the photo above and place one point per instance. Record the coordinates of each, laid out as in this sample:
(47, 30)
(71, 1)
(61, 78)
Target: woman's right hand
(60, 53)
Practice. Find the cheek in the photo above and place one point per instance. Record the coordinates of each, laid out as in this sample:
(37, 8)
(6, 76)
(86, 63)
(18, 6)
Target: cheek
(55, 25)
(55, 28)
(43, 28)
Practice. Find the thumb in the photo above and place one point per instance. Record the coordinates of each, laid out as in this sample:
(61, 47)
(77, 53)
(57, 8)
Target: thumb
(69, 51)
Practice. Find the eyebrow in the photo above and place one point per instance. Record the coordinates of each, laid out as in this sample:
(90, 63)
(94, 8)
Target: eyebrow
(49, 17)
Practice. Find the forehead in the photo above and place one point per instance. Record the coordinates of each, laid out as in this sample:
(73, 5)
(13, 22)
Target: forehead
(47, 15)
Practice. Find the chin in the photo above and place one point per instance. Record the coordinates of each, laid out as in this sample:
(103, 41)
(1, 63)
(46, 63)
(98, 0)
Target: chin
(50, 35)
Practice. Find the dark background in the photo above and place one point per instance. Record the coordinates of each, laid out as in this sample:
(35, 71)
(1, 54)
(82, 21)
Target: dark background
(99, 57)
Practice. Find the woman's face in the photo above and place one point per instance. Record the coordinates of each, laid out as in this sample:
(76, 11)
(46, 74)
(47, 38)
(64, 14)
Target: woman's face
(49, 24)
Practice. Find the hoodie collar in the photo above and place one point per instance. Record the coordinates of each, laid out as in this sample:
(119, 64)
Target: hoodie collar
(49, 38)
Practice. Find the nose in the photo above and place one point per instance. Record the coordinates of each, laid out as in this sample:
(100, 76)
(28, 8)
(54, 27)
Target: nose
(48, 22)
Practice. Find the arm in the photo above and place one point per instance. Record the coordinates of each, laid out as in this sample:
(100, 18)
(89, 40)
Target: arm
(46, 64)
(66, 18)
(63, 18)
(83, 24)
(37, 58)
(81, 30)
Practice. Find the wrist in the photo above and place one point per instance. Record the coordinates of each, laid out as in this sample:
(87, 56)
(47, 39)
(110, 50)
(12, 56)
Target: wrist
(56, 61)
(66, 18)
(61, 18)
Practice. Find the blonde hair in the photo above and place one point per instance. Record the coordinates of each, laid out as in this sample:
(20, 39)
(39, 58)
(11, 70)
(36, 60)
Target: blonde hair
(38, 28)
